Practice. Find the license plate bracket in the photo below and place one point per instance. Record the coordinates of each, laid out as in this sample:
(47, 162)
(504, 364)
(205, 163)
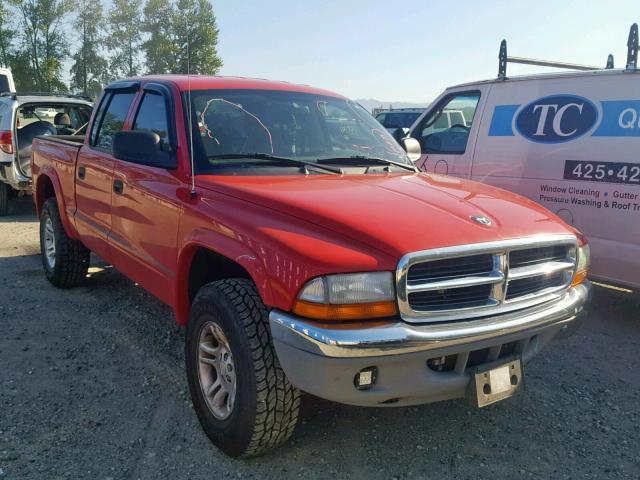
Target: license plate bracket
(495, 381)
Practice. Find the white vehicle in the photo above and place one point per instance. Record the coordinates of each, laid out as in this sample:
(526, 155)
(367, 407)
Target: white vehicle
(569, 141)
(6, 81)
(24, 117)
(46, 112)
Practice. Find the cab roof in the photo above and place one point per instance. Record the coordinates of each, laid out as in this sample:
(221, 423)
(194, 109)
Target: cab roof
(206, 82)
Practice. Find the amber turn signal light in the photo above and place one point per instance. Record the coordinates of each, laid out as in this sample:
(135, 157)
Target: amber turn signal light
(351, 311)
(579, 277)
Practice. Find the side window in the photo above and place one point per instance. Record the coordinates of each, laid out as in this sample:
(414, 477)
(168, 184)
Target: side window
(98, 118)
(152, 117)
(113, 119)
(446, 129)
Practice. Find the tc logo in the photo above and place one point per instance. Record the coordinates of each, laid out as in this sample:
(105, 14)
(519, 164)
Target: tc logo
(555, 119)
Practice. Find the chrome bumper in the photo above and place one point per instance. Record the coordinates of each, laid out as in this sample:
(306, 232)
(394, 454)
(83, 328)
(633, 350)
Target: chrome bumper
(400, 338)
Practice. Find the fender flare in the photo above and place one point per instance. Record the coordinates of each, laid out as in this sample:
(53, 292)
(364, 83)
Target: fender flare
(225, 246)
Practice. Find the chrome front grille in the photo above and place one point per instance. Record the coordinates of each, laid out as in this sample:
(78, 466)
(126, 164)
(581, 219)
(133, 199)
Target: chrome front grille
(468, 281)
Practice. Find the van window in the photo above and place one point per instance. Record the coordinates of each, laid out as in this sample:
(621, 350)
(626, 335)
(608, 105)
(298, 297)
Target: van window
(64, 119)
(113, 119)
(152, 117)
(446, 128)
(4, 84)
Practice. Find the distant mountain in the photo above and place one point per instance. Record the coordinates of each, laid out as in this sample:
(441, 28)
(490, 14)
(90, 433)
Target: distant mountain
(371, 103)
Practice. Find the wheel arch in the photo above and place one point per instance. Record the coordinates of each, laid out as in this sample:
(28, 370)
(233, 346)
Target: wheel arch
(199, 264)
(48, 186)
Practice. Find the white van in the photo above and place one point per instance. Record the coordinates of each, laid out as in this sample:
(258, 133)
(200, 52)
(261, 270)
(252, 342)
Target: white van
(569, 141)
(6, 81)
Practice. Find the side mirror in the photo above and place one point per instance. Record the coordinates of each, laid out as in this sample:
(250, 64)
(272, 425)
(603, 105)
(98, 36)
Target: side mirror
(412, 147)
(143, 148)
(400, 133)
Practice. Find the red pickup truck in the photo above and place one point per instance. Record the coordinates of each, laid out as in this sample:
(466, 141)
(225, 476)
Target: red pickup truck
(303, 251)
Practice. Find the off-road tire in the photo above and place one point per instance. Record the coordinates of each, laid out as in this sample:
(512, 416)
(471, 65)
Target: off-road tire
(71, 256)
(266, 405)
(4, 199)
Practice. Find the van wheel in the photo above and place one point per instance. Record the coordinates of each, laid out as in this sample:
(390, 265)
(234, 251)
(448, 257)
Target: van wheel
(243, 400)
(4, 199)
(65, 260)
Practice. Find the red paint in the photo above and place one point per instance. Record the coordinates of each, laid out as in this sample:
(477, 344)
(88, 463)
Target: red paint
(282, 230)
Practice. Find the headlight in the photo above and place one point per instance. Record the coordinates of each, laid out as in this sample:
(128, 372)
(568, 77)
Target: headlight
(583, 264)
(349, 296)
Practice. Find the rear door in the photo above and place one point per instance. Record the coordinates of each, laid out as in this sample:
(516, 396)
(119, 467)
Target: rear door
(94, 170)
(447, 130)
(571, 143)
(145, 203)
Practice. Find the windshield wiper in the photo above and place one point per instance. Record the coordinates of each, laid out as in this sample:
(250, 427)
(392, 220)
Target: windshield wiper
(360, 158)
(274, 158)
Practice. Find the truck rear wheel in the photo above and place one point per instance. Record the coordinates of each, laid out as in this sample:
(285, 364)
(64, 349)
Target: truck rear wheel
(243, 400)
(65, 260)
(4, 199)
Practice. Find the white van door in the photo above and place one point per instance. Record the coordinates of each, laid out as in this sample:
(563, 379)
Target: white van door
(446, 131)
(571, 143)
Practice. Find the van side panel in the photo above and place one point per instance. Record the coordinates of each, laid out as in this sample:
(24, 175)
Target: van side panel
(572, 144)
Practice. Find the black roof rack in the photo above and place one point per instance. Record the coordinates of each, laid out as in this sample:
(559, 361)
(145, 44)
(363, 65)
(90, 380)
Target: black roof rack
(45, 94)
(631, 66)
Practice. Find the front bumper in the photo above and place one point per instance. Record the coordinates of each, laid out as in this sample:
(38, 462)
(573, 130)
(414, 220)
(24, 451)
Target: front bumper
(324, 361)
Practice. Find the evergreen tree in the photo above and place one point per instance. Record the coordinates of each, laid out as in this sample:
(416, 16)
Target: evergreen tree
(195, 22)
(170, 26)
(89, 70)
(160, 48)
(124, 38)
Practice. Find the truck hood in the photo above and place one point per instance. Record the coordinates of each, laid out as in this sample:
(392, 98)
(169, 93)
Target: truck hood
(396, 213)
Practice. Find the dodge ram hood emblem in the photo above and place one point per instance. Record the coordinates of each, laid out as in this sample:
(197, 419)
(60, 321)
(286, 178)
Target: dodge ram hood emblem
(481, 219)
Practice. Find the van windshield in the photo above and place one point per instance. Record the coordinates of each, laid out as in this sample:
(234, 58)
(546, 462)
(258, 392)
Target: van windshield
(265, 125)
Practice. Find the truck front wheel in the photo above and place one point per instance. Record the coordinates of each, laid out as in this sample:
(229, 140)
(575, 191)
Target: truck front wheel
(65, 260)
(243, 400)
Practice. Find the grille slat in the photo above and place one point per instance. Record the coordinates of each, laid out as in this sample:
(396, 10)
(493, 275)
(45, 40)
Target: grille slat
(459, 283)
(527, 286)
(457, 298)
(450, 268)
(521, 258)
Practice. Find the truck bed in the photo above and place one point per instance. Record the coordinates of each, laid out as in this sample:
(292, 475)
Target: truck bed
(57, 155)
(67, 139)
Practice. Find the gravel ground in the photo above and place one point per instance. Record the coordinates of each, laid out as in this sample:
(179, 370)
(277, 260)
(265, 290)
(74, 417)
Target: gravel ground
(92, 386)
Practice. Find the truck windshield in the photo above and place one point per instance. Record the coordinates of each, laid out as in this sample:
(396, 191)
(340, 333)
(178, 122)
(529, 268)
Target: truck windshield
(231, 123)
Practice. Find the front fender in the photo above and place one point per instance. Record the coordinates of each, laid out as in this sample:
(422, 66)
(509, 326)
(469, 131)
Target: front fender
(231, 248)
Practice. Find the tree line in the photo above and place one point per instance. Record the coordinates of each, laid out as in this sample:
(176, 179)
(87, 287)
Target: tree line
(40, 38)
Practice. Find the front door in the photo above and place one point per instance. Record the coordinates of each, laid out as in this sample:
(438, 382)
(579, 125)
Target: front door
(444, 134)
(94, 172)
(145, 206)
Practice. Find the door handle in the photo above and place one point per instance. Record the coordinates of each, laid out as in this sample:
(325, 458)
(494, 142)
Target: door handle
(118, 186)
(81, 172)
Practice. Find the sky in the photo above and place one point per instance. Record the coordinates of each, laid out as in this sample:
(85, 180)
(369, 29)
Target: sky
(414, 49)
